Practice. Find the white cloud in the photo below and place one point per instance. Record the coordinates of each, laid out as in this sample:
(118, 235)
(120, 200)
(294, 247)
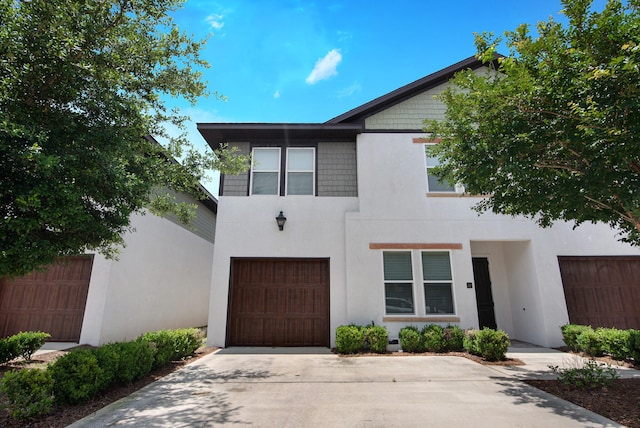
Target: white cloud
(325, 67)
(215, 21)
(276, 94)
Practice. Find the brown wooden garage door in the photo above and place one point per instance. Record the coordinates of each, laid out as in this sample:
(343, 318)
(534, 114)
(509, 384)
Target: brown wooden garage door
(52, 301)
(279, 302)
(602, 291)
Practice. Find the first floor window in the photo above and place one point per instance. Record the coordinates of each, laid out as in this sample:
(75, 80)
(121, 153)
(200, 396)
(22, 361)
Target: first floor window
(398, 282)
(437, 282)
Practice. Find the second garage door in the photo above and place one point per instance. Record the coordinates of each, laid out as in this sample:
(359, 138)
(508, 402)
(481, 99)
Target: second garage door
(602, 291)
(279, 302)
(52, 300)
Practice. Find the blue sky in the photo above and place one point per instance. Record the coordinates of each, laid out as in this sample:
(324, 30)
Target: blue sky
(305, 61)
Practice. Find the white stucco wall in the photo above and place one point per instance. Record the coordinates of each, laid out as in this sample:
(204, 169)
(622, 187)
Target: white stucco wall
(395, 208)
(246, 227)
(161, 280)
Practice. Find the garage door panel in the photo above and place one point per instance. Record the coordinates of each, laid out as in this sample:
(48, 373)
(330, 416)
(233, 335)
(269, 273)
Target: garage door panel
(294, 311)
(52, 301)
(602, 291)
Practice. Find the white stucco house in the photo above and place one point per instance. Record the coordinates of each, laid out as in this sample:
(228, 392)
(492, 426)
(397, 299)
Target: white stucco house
(371, 236)
(161, 280)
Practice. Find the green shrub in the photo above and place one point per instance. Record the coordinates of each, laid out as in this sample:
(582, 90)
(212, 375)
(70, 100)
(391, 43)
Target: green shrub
(454, 337)
(433, 338)
(570, 333)
(411, 339)
(135, 359)
(23, 344)
(172, 345)
(614, 342)
(469, 342)
(590, 343)
(28, 342)
(492, 345)
(376, 337)
(590, 376)
(634, 345)
(29, 392)
(349, 339)
(77, 376)
(8, 350)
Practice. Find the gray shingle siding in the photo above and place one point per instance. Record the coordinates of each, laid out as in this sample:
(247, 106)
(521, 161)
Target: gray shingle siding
(337, 171)
(237, 185)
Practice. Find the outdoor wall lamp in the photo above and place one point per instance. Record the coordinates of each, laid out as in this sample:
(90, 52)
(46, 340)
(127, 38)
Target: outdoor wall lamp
(281, 219)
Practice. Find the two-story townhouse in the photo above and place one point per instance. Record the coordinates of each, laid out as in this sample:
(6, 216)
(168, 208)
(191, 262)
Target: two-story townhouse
(371, 236)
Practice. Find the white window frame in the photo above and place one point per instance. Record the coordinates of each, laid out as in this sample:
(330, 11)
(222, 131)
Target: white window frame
(454, 188)
(438, 281)
(418, 286)
(411, 281)
(253, 169)
(312, 171)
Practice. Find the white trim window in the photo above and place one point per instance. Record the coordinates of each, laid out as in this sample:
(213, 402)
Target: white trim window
(433, 183)
(301, 171)
(265, 172)
(437, 282)
(398, 283)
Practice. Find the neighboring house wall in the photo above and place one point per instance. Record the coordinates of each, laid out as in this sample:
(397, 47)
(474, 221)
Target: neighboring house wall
(161, 280)
(337, 169)
(204, 223)
(395, 209)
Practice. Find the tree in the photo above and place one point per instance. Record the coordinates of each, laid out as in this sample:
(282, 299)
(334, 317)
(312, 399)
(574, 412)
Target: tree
(552, 131)
(82, 82)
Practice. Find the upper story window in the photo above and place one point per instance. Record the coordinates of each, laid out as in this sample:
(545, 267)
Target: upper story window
(301, 171)
(265, 172)
(433, 183)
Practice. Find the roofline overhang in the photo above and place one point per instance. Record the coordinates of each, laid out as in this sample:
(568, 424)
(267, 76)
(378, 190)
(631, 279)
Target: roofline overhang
(358, 114)
(219, 133)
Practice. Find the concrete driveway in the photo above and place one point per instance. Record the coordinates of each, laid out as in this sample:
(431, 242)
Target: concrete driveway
(314, 388)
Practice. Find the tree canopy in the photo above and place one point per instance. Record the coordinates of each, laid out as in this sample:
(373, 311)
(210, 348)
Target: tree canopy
(552, 130)
(82, 83)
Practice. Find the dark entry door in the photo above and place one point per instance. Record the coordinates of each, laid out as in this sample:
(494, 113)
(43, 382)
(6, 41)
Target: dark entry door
(484, 298)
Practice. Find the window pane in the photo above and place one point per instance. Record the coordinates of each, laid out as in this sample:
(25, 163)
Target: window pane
(397, 265)
(266, 159)
(435, 185)
(300, 183)
(398, 298)
(438, 298)
(432, 161)
(265, 183)
(300, 159)
(436, 266)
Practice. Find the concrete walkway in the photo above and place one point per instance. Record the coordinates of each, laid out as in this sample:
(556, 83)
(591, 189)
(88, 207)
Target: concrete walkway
(310, 387)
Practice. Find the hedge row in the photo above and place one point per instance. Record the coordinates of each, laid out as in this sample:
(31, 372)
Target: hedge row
(351, 339)
(490, 344)
(82, 373)
(23, 344)
(619, 344)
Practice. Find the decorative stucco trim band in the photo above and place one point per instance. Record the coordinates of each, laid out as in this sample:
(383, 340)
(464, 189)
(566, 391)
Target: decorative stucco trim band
(421, 319)
(427, 140)
(414, 246)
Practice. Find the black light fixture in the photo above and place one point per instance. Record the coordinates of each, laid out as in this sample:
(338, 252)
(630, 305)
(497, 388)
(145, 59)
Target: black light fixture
(281, 219)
